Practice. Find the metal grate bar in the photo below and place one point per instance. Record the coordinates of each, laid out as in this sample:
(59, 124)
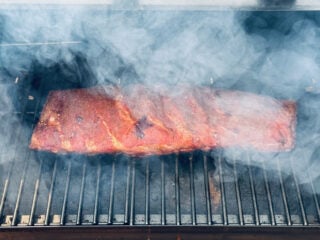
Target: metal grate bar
(238, 192)
(111, 200)
(5, 189)
(223, 196)
(303, 213)
(147, 200)
(133, 176)
(26, 44)
(192, 194)
(284, 196)
(65, 197)
(22, 180)
(267, 187)
(13, 138)
(207, 189)
(53, 179)
(96, 200)
(314, 195)
(126, 211)
(79, 212)
(35, 194)
(177, 191)
(253, 193)
(163, 209)
(7, 181)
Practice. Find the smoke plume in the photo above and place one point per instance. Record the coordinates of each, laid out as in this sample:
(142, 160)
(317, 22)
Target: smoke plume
(269, 53)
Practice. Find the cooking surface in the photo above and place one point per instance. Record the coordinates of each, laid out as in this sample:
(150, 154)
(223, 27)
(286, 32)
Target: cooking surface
(225, 192)
(172, 190)
(199, 188)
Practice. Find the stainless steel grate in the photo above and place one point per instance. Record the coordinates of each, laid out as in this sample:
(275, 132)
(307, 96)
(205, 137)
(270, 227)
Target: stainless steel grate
(199, 188)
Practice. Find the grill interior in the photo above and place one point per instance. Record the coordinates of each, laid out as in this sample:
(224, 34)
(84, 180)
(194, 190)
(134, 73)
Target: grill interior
(195, 193)
(198, 188)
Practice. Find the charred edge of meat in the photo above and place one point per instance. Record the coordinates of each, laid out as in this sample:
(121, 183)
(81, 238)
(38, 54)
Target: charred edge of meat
(141, 125)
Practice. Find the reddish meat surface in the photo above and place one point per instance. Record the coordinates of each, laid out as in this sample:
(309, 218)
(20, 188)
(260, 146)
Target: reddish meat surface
(140, 121)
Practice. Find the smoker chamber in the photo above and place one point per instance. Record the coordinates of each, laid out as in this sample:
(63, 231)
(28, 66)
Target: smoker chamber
(180, 195)
(210, 195)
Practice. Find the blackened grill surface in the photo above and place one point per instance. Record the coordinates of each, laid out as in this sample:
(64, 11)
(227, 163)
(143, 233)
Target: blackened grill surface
(42, 190)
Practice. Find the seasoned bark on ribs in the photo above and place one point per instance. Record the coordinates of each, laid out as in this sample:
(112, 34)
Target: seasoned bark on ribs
(141, 121)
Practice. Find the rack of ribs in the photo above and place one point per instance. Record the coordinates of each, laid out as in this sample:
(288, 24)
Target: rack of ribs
(137, 120)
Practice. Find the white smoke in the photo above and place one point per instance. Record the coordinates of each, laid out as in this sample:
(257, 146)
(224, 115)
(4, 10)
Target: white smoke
(275, 54)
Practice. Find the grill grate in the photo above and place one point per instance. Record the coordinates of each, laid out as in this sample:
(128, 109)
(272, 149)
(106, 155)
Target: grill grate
(118, 190)
(199, 188)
